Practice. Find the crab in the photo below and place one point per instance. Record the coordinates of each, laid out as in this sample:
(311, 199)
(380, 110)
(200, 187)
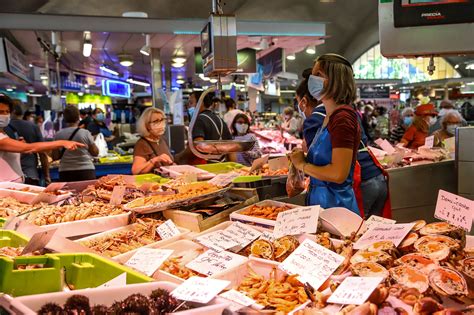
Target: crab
(433, 249)
(444, 228)
(369, 269)
(417, 261)
(263, 249)
(284, 246)
(410, 278)
(379, 257)
(407, 245)
(385, 246)
(419, 224)
(448, 282)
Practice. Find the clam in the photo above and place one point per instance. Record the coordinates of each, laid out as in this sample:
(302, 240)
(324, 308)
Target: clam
(406, 245)
(444, 228)
(418, 225)
(410, 277)
(417, 261)
(448, 282)
(451, 243)
(434, 250)
(385, 246)
(379, 257)
(369, 269)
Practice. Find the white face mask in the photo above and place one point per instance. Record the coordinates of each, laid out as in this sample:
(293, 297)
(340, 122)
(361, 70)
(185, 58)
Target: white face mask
(442, 112)
(4, 120)
(451, 129)
(301, 111)
(432, 121)
(241, 128)
(158, 129)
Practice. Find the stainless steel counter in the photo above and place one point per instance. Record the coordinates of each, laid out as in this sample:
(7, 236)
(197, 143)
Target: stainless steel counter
(414, 189)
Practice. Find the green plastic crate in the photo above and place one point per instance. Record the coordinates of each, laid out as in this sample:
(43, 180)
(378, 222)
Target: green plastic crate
(220, 168)
(81, 270)
(2, 221)
(247, 179)
(150, 178)
(11, 238)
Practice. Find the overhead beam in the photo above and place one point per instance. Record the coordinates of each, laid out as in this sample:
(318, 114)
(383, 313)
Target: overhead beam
(72, 23)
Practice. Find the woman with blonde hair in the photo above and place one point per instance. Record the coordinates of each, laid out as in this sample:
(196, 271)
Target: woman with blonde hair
(151, 150)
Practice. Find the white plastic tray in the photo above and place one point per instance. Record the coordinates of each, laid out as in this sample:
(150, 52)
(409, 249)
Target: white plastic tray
(122, 258)
(29, 197)
(29, 305)
(178, 170)
(339, 221)
(265, 223)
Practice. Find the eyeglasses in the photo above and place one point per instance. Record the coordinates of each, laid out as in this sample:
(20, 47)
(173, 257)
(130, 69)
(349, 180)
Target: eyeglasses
(157, 121)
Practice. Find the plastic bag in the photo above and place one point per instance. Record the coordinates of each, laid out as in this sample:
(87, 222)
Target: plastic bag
(101, 145)
(294, 182)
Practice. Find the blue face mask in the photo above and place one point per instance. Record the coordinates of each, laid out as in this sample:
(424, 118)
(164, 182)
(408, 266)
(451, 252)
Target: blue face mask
(100, 117)
(191, 111)
(315, 86)
(407, 120)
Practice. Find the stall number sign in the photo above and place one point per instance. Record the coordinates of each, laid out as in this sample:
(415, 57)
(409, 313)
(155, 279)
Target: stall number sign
(355, 290)
(384, 232)
(167, 230)
(297, 221)
(312, 262)
(455, 210)
(148, 260)
(199, 290)
(212, 262)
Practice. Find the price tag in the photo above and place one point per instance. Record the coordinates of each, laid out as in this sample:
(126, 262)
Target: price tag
(218, 240)
(312, 262)
(119, 281)
(268, 236)
(455, 210)
(297, 221)
(239, 299)
(355, 290)
(375, 220)
(242, 234)
(278, 163)
(198, 289)
(117, 195)
(38, 241)
(223, 180)
(212, 262)
(385, 145)
(259, 163)
(54, 187)
(167, 230)
(429, 141)
(148, 260)
(384, 232)
(12, 223)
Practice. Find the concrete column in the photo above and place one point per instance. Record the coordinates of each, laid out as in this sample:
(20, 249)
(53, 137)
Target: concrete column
(156, 77)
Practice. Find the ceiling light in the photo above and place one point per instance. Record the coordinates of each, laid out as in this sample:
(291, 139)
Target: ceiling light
(9, 89)
(138, 82)
(470, 66)
(86, 86)
(43, 76)
(291, 56)
(179, 59)
(80, 93)
(213, 81)
(35, 95)
(180, 81)
(145, 50)
(311, 50)
(63, 96)
(125, 60)
(177, 65)
(87, 44)
(30, 65)
(108, 70)
(456, 66)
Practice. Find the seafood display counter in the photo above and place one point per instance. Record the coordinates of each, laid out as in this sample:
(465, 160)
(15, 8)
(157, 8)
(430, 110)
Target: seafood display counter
(101, 169)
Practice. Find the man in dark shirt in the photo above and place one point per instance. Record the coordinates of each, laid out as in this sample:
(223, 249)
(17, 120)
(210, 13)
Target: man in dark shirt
(30, 133)
(85, 118)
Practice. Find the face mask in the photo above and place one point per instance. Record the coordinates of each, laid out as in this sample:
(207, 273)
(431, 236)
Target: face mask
(158, 129)
(191, 111)
(442, 112)
(100, 117)
(315, 86)
(241, 128)
(407, 120)
(432, 121)
(301, 111)
(451, 129)
(4, 120)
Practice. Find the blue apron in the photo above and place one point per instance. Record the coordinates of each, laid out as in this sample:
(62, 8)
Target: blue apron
(328, 194)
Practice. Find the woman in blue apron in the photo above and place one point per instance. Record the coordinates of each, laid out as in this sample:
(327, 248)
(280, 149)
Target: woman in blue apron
(332, 155)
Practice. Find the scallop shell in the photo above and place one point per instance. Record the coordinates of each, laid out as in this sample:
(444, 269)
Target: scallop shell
(417, 261)
(448, 282)
(410, 277)
(369, 269)
(450, 242)
(374, 256)
(435, 250)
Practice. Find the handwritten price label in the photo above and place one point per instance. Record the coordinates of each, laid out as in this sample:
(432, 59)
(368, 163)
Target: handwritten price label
(38, 241)
(455, 210)
(355, 290)
(374, 220)
(385, 145)
(242, 234)
(118, 281)
(238, 299)
(212, 262)
(199, 290)
(54, 187)
(384, 232)
(429, 142)
(218, 240)
(167, 230)
(297, 221)
(268, 236)
(312, 262)
(148, 260)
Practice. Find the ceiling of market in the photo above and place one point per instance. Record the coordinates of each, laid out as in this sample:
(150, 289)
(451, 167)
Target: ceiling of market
(351, 28)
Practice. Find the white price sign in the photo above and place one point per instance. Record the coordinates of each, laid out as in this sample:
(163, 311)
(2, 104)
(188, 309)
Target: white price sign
(238, 299)
(385, 145)
(212, 262)
(312, 262)
(199, 290)
(242, 234)
(55, 186)
(167, 230)
(384, 232)
(268, 236)
(429, 142)
(355, 290)
(455, 210)
(223, 180)
(374, 220)
(118, 281)
(297, 221)
(148, 260)
(218, 240)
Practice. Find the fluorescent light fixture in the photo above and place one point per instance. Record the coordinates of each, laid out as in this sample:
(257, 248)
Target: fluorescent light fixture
(179, 59)
(198, 89)
(87, 44)
(470, 66)
(311, 50)
(470, 83)
(177, 65)
(180, 81)
(63, 96)
(137, 82)
(86, 86)
(9, 90)
(145, 50)
(80, 93)
(288, 91)
(125, 60)
(35, 94)
(213, 81)
(291, 56)
(108, 70)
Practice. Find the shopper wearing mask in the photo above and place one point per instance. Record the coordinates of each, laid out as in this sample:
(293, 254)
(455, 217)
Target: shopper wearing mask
(444, 107)
(425, 116)
(151, 150)
(332, 154)
(232, 111)
(406, 120)
(10, 149)
(240, 127)
(97, 125)
(75, 165)
(290, 123)
(450, 121)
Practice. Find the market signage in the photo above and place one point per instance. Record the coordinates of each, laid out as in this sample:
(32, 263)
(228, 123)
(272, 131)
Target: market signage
(115, 88)
(12, 60)
(455, 210)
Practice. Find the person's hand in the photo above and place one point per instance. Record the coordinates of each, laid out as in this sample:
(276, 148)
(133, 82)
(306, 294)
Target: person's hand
(72, 145)
(111, 138)
(162, 159)
(297, 158)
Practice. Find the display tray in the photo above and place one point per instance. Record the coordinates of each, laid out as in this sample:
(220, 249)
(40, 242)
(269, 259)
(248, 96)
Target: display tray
(265, 223)
(129, 228)
(175, 171)
(340, 221)
(79, 271)
(12, 239)
(220, 168)
(30, 305)
(29, 193)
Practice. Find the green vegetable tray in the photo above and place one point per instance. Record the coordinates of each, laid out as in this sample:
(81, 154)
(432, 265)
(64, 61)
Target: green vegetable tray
(11, 238)
(150, 178)
(80, 271)
(220, 168)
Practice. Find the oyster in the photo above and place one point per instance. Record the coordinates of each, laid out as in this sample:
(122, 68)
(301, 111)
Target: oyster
(444, 228)
(410, 277)
(369, 269)
(385, 246)
(448, 282)
(379, 257)
(434, 250)
(406, 245)
(417, 261)
(451, 243)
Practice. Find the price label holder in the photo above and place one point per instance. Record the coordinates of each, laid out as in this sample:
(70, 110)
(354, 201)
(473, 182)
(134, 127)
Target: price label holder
(385, 145)
(312, 262)
(212, 262)
(54, 187)
(199, 290)
(218, 240)
(259, 163)
(375, 220)
(355, 290)
(384, 232)
(167, 230)
(297, 221)
(455, 210)
(238, 300)
(117, 195)
(429, 142)
(242, 234)
(38, 241)
(148, 260)
(119, 281)
(223, 180)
